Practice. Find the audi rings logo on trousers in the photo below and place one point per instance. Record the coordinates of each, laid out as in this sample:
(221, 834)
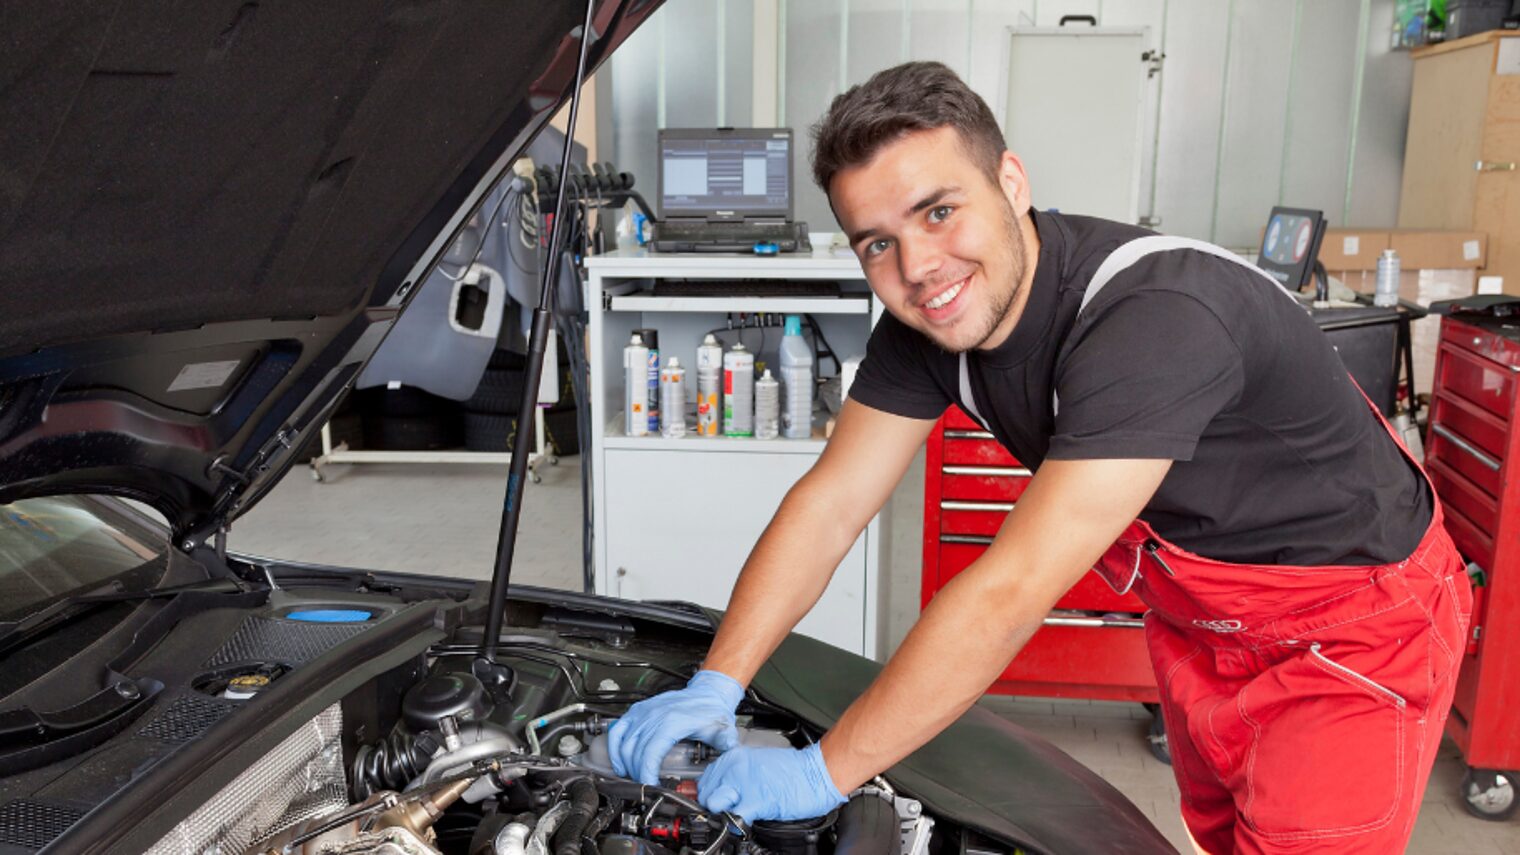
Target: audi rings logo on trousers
(1220, 625)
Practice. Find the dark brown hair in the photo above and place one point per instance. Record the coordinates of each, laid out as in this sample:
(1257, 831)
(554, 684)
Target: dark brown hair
(914, 96)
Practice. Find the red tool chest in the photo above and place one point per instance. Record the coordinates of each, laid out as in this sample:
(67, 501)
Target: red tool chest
(1092, 645)
(1473, 440)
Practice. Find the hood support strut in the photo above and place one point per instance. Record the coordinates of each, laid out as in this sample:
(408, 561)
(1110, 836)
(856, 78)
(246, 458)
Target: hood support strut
(485, 665)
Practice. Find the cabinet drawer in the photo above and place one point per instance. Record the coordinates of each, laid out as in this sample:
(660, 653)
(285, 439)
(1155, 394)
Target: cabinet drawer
(975, 448)
(1479, 341)
(1463, 496)
(1476, 379)
(992, 483)
(961, 516)
(1090, 593)
(1082, 662)
(956, 419)
(1468, 439)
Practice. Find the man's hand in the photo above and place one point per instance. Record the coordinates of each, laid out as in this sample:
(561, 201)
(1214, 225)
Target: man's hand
(770, 783)
(704, 710)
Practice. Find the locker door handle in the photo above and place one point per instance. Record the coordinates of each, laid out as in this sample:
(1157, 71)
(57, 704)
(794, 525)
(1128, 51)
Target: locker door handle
(1494, 166)
(1445, 433)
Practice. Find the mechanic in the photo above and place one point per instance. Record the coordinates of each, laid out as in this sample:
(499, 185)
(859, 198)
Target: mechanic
(1194, 438)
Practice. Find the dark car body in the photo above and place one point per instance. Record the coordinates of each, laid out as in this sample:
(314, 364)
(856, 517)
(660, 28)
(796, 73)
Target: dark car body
(210, 215)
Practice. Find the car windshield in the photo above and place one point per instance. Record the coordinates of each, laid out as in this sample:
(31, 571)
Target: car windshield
(57, 546)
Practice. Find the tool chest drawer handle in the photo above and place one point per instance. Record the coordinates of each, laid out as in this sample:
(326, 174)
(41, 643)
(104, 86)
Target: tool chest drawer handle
(1004, 507)
(969, 434)
(988, 471)
(1446, 434)
(973, 539)
(1096, 622)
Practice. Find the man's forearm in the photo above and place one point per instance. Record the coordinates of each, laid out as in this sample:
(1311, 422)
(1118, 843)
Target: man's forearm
(963, 640)
(785, 575)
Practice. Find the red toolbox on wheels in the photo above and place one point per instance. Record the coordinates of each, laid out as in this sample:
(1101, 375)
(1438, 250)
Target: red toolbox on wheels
(1473, 439)
(1093, 643)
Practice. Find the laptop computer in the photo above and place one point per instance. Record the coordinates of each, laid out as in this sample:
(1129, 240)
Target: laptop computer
(727, 190)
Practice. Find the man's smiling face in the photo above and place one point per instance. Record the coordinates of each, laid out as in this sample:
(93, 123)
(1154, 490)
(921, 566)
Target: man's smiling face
(944, 245)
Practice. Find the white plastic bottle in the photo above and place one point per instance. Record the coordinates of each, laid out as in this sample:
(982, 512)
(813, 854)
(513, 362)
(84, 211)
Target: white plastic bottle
(797, 382)
(738, 392)
(767, 406)
(709, 382)
(1387, 293)
(673, 399)
(636, 388)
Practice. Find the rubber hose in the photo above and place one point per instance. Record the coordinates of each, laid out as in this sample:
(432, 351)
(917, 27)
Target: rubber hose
(868, 825)
(583, 804)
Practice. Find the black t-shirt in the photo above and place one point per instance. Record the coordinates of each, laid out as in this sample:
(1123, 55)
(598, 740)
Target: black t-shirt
(1188, 357)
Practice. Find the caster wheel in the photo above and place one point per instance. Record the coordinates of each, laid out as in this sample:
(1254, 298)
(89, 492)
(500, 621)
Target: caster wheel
(1160, 749)
(316, 475)
(1489, 794)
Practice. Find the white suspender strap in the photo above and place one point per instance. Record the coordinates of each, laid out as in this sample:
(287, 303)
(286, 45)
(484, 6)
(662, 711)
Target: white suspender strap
(967, 400)
(1127, 254)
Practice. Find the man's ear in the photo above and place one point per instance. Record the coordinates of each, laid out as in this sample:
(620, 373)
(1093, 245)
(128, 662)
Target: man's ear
(1014, 182)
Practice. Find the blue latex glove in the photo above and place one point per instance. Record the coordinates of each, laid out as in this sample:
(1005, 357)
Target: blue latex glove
(704, 710)
(770, 783)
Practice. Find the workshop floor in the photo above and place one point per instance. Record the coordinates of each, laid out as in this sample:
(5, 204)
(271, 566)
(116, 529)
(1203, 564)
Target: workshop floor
(443, 519)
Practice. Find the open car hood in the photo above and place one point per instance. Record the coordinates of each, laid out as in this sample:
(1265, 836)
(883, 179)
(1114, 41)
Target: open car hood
(212, 213)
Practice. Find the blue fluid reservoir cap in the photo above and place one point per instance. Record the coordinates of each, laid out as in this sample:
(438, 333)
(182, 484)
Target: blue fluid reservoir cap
(793, 325)
(331, 615)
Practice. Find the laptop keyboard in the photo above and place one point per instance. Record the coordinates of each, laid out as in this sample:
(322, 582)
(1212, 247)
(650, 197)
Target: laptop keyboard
(745, 288)
(727, 232)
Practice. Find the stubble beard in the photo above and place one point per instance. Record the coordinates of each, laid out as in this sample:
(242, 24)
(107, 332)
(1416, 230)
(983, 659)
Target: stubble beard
(1002, 303)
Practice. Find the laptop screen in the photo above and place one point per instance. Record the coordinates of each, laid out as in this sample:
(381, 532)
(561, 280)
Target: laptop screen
(726, 173)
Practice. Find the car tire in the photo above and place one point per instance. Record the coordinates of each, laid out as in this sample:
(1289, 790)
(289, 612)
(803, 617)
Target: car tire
(489, 431)
(413, 433)
(406, 402)
(499, 393)
(507, 360)
(561, 430)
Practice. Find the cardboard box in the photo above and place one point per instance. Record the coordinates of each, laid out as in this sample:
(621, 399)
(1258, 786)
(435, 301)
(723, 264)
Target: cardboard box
(1424, 249)
(1346, 250)
(1352, 249)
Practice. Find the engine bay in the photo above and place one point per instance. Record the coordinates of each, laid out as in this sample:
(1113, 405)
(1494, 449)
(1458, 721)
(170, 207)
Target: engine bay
(438, 760)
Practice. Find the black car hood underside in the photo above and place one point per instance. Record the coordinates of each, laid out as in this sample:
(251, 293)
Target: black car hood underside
(211, 212)
(982, 771)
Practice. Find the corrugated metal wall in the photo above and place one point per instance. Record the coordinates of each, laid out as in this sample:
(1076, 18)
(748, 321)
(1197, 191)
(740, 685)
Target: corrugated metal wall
(1261, 102)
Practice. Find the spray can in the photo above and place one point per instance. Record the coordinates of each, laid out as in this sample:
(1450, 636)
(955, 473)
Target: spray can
(767, 406)
(797, 375)
(1387, 293)
(636, 391)
(738, 392)
(673, 399)
(652, 341)
(709, 381)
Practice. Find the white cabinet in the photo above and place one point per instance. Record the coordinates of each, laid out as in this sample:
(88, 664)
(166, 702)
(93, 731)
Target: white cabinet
(676, 518)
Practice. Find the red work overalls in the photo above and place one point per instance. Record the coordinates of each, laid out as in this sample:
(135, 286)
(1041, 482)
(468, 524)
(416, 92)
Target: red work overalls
(1303, 705)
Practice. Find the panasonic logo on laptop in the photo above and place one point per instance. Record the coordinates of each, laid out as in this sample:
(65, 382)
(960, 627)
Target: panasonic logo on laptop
(724, 213)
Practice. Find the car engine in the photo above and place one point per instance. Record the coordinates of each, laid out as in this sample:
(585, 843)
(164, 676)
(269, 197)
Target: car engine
(434, 759)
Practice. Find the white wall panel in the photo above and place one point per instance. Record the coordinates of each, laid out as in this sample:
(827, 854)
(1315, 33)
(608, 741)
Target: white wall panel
(634, 120)
(1190, 116)
(811, 60)
(1302, 159)
(1315, 176)
(1252, 144)
(1385, 122)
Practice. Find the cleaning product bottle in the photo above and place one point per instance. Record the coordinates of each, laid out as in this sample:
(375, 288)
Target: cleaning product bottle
(796, 381)
(767, 406)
